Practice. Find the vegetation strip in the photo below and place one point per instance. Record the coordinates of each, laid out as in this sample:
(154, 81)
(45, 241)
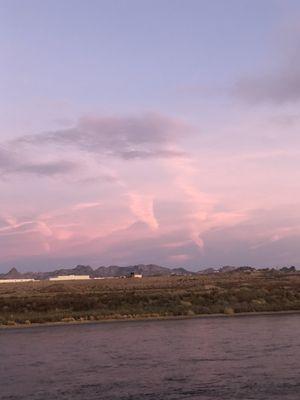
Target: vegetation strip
(152, 297)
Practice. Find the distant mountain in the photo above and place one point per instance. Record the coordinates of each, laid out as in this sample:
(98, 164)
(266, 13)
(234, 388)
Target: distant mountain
(181, 271)
(117, 271)
(227, 268)
(145, 270)
(207, 271)
(100, 272)
(78, 270)
(12, 274)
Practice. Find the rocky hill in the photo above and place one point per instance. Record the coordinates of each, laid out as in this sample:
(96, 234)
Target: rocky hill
(100, 272)
(144, 269)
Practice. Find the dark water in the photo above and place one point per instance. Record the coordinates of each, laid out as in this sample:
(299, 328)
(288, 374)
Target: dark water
(213, 358)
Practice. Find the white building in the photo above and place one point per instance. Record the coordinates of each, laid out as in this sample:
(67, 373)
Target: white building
(17, 280)
(135, 275)
(70, 278)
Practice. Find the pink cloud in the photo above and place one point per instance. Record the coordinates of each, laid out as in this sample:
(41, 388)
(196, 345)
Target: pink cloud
(152, 203)
(142, 208)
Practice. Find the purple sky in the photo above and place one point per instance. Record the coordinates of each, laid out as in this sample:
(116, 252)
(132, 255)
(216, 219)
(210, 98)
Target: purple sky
(158, 131)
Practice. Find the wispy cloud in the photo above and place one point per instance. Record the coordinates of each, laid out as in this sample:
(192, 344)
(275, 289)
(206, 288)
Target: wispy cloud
(140, 137)
(83, 206)
(279, 83)
(142, 207)
(11, 163)
(277, 87)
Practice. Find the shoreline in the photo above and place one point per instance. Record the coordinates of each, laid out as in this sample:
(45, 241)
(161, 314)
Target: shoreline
(145, 319)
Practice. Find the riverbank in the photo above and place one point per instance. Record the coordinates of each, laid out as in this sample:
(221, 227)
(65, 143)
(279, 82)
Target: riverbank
(156, 298)
(145, 319)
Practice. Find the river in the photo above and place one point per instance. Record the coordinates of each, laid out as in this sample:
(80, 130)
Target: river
(249, 357)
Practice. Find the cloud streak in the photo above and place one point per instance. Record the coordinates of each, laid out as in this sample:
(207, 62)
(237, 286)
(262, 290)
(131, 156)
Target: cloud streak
(277, 85)
(10, 164)
(128, 138)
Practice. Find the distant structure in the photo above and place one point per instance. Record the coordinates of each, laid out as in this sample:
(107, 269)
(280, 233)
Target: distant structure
(70, 278)
(108, 277)
(17, 280)
(135, 275)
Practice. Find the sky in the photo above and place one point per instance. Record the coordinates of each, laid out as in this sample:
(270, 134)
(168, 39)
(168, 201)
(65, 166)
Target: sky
(138, 131)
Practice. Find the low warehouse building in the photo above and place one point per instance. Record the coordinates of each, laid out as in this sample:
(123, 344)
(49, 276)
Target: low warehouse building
(17, 280)
(69, 277)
